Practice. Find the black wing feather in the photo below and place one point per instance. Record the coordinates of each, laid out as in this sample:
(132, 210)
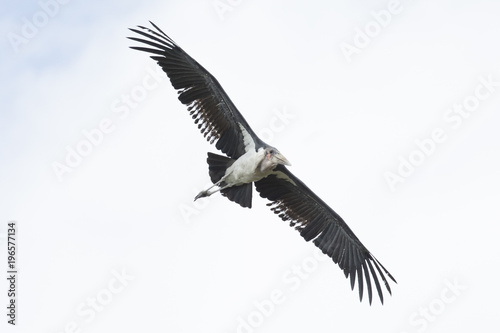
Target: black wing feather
(208, 104)
(315, 220)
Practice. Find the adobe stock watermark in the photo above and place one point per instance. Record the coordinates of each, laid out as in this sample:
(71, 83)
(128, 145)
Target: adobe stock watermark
(121, 109)
(32, 25)
(421, 319)
(194, 208)
(3, 236)
(278, 122)
(453, 118)
(363, 37)
(89, 309)
(291, 280)
(223, 7)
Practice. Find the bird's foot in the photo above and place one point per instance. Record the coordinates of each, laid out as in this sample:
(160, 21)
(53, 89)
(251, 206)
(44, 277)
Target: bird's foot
(202, 194)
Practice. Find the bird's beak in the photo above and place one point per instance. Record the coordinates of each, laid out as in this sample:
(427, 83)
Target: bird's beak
(282, 159)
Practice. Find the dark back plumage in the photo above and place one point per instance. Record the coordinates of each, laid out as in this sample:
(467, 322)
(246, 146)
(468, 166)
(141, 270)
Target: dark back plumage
(208, 104)
(295, 203)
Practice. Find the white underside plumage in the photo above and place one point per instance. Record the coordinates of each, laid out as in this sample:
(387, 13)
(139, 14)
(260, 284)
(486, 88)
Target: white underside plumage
(246, 169)
(247, 139)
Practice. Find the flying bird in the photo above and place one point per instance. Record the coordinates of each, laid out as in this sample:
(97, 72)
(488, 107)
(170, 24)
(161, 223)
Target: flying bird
(249, 160)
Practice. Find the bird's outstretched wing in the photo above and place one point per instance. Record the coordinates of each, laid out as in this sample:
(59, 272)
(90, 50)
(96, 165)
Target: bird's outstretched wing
(315, 220)
(208, 104)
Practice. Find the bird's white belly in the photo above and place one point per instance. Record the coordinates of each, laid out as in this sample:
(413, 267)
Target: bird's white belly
(246, 169)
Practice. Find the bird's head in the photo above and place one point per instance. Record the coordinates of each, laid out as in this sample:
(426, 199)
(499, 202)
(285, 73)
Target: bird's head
(272, 157)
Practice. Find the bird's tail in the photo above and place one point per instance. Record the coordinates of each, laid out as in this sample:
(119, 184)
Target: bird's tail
(217, 166)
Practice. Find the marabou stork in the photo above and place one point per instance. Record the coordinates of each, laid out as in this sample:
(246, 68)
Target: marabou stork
(251, 161)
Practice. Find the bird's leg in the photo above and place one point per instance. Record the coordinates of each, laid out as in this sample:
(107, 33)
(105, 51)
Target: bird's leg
(207, 192)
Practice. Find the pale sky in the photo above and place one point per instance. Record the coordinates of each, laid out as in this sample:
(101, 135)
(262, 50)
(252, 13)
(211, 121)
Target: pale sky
(388, 110)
